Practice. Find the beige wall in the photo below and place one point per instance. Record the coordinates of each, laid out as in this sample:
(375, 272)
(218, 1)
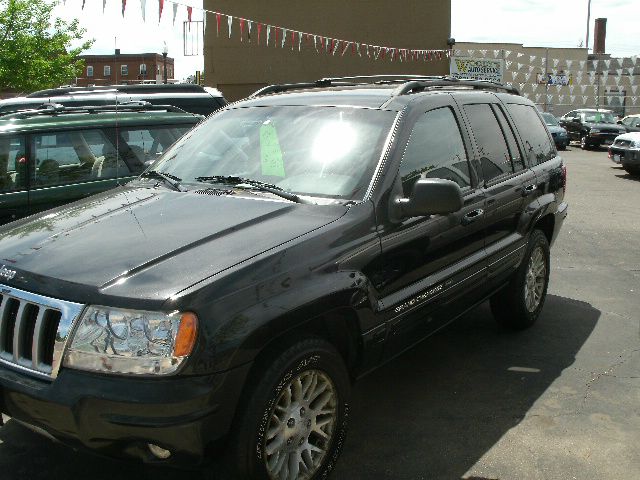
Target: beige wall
(239, 68)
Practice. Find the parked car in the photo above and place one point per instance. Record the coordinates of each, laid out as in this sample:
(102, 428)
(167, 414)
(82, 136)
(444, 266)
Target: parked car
(591, 128)
(227, 298)
(631, 123)
(626, 152)
(188, 97)
(559, 134)
(53, 156)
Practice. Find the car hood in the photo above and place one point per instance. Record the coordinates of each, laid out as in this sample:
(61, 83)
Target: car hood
(147, 243)
(556, 129)
(605, 126)
(631, 136)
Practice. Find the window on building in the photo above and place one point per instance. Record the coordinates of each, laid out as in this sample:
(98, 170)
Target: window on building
(107, 70)
(124, 70)
(430, 154)
(143, 69)
(89, 71)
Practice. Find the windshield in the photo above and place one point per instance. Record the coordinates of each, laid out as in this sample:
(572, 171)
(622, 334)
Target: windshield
(315, 151)
(598, 117)
(550, 120)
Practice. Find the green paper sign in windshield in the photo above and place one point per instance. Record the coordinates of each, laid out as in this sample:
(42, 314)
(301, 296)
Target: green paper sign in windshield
(270, 152)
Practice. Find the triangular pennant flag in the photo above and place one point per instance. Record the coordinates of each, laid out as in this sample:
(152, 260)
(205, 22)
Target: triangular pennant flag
(358, 49)
(242, 29)
(607, 64)
(160, 8)
(584, 99)
(284, 37)
(483, 52)
(634, 88)
(582, 64)
(268, 34)
(229, 24)
(104, 4)
(617, 80)
(583, 88)
(249, 25)
(143, 6)
(508, 63)
(189, 13)
(496, 53)
(520, 65)
(569, 63)
(514, 75)
(531, 68)
(293, 38)
(527, 77)
(218, 18)
(520, 55)
(521, 85)
(572, 98)
(471, 52)
(571, 87)
(175, 12)
(538, 96)
(555, 62)
(315, 42)
(560, 99)
(259, 32)
(532, 58)
(124, 6)
(299, 41)
(507, 53)
(83, 2)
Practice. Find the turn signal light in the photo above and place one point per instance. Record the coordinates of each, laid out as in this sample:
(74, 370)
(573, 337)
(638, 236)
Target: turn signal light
(187, 333)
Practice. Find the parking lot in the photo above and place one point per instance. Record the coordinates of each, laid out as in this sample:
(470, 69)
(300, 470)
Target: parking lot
(559, 401)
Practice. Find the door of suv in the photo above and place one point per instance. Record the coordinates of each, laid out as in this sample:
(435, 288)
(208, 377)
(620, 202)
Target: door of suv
(507, 183)
(431, 264)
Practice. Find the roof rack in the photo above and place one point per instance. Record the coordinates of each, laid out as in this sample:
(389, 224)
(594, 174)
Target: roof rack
(146, 88)
(57, 109)
(408, 84)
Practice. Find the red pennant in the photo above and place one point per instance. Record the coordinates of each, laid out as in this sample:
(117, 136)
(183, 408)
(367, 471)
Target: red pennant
(321, 44)
(293, 38)
(308, 38)
(161, 7)
(124, 5)
(353, 49)
(277, 36)
(259, 32)
(242, 29)
(218, 18)
(189, 13)
(383, 53)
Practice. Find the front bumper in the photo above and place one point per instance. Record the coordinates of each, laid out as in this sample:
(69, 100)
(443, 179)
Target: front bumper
(119, 416)
(602, 138)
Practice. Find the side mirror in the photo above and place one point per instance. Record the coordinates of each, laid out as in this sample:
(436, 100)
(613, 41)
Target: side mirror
(432, 196)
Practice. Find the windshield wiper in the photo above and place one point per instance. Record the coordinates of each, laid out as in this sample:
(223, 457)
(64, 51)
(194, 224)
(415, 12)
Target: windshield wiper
(167, 178)
(263, 187)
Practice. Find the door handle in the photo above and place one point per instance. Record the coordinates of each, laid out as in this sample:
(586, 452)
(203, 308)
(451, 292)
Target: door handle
(529, 189)
(472, 216)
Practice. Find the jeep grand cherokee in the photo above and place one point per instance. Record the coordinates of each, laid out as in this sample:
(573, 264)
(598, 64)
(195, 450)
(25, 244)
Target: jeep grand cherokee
(222, 304)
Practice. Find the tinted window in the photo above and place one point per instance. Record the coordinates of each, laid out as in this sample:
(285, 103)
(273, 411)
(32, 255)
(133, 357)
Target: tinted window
(492, 147)
(13, 163)
(598, 117)
(517, 162)
(538, 146)
(77, 156)
(435, 150)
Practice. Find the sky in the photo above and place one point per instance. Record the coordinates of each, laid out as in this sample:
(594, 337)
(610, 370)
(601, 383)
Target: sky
(546, 23)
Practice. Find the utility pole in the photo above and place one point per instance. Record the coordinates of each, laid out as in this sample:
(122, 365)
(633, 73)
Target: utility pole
(588, 21)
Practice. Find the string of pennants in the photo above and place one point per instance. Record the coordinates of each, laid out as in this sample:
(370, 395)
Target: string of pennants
(279, 36)
(613, 75)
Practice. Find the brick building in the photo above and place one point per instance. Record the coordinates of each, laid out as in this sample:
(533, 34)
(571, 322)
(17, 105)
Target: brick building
(124, 68)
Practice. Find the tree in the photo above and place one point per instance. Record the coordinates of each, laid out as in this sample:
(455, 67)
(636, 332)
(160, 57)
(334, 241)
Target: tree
(36, 49)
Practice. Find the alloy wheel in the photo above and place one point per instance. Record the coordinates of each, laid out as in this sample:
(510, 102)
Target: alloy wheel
(535, 280)
(301, 426)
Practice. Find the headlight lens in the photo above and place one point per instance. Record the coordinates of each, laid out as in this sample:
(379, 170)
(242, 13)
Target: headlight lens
(119, 341)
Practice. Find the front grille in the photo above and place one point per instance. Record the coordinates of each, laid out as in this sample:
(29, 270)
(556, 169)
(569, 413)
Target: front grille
(34, 330)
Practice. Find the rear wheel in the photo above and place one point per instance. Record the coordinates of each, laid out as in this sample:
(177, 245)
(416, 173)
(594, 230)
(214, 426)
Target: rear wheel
(519, 304)
(294, 422)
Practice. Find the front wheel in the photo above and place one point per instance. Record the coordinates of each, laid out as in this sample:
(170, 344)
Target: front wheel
(519, 304)
(294, 422)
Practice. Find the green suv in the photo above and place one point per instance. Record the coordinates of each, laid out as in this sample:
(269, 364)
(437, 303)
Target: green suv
(58, 154)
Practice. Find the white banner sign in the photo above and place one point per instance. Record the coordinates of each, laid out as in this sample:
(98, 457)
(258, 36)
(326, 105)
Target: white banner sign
(477, 68)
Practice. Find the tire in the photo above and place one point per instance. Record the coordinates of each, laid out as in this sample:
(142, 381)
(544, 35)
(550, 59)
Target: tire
(584, 145)
(519, 304)
(279, 423)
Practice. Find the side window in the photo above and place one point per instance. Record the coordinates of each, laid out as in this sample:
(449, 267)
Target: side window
(435, 150)
(495, 157)
(72, 157)
(538, 146)
(13, 163)
(517, 162)
(146, 144)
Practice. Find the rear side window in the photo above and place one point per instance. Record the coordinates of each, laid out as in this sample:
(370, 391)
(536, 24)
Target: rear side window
(13, 163)
(495, 156)
(76, 156)
(435, 150)
(538, 146)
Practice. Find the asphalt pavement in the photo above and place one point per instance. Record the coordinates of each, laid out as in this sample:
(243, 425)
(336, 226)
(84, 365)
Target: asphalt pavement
(558, 401)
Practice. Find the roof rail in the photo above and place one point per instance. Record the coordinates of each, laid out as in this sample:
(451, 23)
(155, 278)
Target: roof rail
(409, 83)
(146, 88)
(57, 109)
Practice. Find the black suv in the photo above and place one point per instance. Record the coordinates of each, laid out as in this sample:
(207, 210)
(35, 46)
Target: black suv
(55, 155)
(591, 128)
(225, 301)
(188, 97)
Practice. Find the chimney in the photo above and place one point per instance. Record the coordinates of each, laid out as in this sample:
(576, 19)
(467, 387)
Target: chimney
(600, 36)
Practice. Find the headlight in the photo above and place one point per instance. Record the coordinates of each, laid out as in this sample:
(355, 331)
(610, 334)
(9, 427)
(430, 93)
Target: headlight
(113, 340)
(635, 144)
